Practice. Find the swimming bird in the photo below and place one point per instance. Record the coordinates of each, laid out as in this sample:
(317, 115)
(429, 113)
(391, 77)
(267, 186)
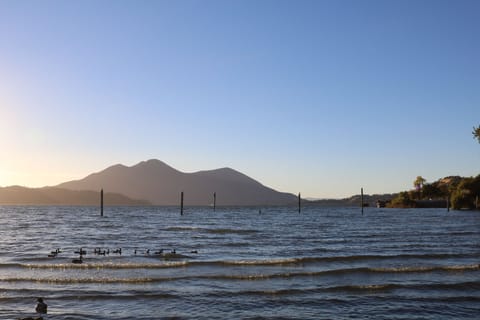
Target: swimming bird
(81, 252)
(78, 261)
(53, 254)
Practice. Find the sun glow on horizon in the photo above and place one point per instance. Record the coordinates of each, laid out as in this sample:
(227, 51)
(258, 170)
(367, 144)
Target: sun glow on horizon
(33, 179)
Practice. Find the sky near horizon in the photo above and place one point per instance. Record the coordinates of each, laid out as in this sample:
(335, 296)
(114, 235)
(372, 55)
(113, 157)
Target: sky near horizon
(317, 97)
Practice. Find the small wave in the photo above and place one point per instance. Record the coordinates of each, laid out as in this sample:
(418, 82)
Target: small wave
(11, 265)
(266, 262)
(365, 288)
(175, 264)
(246, 263)
(386, 257)
(421, 269)
(84, 280)
(230, 231)
(237, 244)
(109, 296)
(273, 292)
(450, 299)
(182, 228)
(167, 264)
(461, 286)
(331, 272)
(213, 231)
(368, 288)
(220, 277)
(305, 260)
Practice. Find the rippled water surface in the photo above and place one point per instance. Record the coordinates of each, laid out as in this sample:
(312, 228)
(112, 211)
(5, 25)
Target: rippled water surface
(239, 263)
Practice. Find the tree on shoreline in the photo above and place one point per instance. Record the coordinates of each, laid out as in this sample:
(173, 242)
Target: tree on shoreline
(465, 195)
(402, 200)
(476, 133)
(418, 184)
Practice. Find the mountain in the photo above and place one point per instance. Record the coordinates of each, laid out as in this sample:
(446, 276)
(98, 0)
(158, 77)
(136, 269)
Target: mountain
(56, 196)
(161, 184)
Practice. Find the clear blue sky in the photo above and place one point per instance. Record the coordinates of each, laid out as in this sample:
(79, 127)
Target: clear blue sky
(318, 97)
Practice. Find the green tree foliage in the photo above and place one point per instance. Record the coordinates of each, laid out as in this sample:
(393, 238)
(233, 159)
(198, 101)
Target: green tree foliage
(462, 192)
(464, 196)
(418, 184)
(433, 191)
(402, 200)
(476, 133)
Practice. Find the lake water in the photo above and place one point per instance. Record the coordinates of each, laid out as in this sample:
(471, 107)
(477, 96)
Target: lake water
(237, 263)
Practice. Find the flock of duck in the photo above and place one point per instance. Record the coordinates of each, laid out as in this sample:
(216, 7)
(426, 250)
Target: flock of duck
(118, 251)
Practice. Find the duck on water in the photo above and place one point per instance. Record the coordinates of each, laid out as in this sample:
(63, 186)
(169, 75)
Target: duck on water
(81, 252)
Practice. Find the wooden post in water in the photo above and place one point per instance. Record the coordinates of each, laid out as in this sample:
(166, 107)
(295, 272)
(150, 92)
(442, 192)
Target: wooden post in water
(101, 203)
(448, 202)
(361, 196)
(214, 201)
(181, 203)
(299, 203)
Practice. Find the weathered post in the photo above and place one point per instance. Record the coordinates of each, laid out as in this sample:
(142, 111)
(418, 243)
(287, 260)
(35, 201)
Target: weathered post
(361, 196)
(448, 202)
(299, 203)
(214, 201)
(101, 203)
(181, 203)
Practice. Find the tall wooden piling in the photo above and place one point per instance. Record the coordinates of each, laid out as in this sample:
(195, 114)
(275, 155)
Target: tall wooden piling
(214, 201)
(299, 203)
(181, 203)
(101, 203)
(361, 196)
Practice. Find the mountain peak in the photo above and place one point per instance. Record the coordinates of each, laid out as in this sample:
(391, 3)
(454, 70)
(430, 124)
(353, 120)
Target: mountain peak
(154, 165)
(151, 162)
(160, 184)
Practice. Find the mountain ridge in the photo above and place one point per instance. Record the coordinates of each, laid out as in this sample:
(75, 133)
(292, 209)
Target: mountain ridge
(160, 184)
(18, 195)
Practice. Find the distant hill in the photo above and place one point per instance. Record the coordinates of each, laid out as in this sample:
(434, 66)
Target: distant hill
(353, 201)
(161, 184)
(17, 195)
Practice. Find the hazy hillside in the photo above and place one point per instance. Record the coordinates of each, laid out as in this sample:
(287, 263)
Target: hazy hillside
(353, 201)
(161, 184)
(56, 196)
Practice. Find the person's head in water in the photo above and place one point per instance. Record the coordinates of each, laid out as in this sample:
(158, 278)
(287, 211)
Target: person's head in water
(41, 306)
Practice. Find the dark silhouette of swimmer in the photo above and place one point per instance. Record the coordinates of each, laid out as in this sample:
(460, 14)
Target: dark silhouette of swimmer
(41, 306)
